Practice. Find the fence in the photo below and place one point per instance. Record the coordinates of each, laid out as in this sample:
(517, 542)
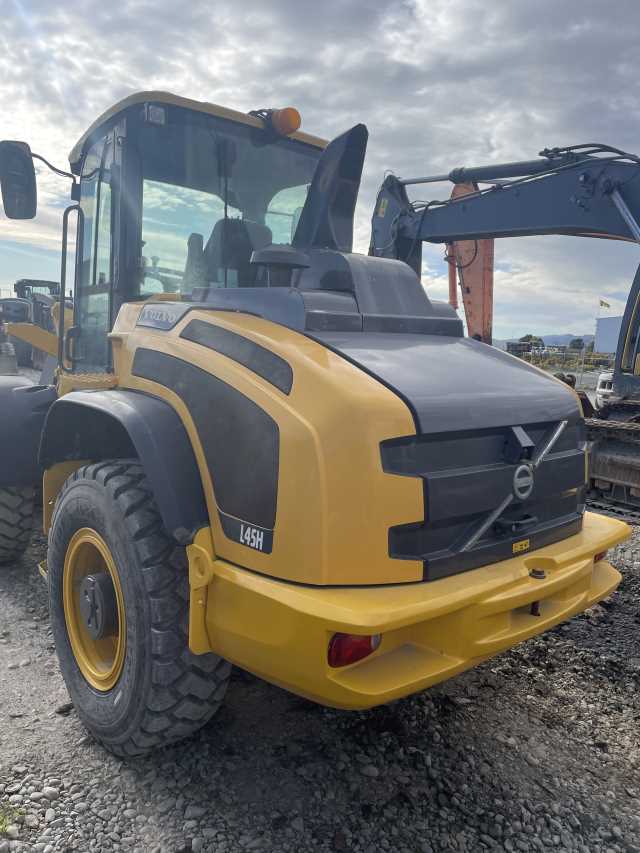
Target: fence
(585, 366)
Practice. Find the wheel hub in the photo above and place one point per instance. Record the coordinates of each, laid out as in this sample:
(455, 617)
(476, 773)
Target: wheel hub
(94, 609)
(98, 605)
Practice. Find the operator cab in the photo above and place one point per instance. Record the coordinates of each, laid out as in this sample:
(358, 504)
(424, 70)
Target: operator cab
(176, 196)
(187, 202)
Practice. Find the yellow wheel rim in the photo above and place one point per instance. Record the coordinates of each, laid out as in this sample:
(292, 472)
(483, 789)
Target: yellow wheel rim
(94, 609)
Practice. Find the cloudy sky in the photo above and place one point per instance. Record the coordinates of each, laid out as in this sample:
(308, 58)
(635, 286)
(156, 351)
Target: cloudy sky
(439, 83)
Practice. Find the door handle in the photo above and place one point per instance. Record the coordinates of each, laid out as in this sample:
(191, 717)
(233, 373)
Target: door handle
(72, 334)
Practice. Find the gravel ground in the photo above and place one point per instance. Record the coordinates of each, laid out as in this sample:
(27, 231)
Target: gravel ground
(538, 749)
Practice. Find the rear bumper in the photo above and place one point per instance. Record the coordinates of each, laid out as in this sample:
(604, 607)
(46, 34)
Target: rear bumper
(430, 631)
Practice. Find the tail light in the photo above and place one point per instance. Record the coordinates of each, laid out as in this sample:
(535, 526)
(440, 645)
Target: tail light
(349, 648)
(599, 556)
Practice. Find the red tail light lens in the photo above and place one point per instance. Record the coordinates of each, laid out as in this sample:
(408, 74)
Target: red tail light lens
(599, 556)
(349, 648)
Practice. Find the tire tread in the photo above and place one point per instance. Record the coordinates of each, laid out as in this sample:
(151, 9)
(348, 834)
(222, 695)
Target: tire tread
(17, 506)
(186, 690)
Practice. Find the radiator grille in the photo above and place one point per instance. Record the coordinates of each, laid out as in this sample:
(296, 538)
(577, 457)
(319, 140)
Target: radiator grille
(473, 515)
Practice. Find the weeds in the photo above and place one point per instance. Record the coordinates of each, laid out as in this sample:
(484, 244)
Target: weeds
(8, 816)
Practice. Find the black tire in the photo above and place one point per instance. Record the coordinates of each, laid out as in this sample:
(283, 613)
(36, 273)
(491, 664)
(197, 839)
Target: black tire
(164, 692)
(23, 351)
(16, 522)
(8, 363)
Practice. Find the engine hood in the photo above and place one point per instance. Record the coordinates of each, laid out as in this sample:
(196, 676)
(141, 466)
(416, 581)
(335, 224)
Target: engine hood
(452, 383)
(483, 419)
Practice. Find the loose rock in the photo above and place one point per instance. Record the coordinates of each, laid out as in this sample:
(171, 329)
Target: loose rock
(502, 757)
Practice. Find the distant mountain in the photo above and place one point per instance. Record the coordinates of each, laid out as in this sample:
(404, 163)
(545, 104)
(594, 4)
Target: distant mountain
(564, 340)
(549, 340)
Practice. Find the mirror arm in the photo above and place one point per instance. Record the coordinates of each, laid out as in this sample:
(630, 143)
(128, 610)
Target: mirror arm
(75, 186)
(18, 179)
(53, 168)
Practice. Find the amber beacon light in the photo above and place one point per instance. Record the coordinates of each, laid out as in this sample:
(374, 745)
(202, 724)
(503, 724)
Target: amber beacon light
(286, 121)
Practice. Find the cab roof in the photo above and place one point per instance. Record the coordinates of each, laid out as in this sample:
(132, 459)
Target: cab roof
(83, 143)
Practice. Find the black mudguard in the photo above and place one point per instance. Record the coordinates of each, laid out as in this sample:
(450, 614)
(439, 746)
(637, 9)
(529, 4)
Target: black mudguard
(114, 424)
(23, 409)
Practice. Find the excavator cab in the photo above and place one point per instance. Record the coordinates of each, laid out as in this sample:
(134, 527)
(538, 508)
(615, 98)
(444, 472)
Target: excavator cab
(627, 363)
(615, 433)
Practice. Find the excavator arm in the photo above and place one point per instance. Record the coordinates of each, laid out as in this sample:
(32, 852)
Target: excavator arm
(586, 191)
(471, 265)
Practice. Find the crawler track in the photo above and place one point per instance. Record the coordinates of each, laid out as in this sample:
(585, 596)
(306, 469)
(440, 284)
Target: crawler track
(614, 510)
(622, 430)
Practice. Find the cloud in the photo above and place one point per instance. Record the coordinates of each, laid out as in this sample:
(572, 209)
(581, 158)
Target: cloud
(439, 83)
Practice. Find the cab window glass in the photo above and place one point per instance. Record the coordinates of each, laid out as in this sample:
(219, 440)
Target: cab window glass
(214, 192)
(92, 301)
(630, 352)
(284, 212)
(170, 215)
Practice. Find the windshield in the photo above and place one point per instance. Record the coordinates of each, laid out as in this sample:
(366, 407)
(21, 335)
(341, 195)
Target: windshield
(213, 192)
(25, 289)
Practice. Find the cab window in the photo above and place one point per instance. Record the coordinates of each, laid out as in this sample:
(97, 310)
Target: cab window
(284, 212)
(92, 299)
(214, 192)
(630, 352)
(170, 215)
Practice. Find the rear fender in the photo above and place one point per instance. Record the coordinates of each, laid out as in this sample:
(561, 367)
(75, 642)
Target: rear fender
(115, 424)
(23, 409)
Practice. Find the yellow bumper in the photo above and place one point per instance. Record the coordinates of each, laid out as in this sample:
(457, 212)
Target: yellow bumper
(430, 631)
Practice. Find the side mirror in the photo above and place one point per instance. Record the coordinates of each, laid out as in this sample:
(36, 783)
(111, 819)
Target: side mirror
(18, 180)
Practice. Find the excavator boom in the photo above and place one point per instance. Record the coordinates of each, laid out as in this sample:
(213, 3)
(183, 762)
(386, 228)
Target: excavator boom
(595, 196)
(586, 191)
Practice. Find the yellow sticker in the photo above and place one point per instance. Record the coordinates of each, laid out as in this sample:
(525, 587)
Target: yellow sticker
(382, 208)
(522, 545)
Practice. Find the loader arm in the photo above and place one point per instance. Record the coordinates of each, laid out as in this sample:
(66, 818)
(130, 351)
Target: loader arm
(585, 191)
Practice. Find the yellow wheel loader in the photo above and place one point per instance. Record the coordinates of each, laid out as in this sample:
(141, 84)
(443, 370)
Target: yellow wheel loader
(265, 450)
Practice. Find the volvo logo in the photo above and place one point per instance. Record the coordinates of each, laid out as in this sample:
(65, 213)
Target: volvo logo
(523, 482)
